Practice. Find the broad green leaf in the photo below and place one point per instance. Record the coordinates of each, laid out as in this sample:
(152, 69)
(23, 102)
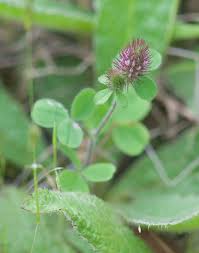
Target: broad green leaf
(136, 109)
(122, 99)
(146, 88)
(155, 59)
(99, 172)
(102, 96)
(156, 29)
(17, 228)
(49, 14)
(14, 131)
(71, 181)
(83, 104)
(131, 139)
(48, 113)
(103, 79)
(94, 220)
(69, 133)
(143, 197)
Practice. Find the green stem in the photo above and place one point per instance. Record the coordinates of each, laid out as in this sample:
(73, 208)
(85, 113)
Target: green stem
(37, 195)
(54, 141)
(93, 140)
(28, 54)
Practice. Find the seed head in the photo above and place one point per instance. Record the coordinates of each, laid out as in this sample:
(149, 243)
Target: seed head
(133, 61)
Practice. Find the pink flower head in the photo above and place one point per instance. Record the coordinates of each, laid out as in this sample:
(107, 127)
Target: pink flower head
(133, 61)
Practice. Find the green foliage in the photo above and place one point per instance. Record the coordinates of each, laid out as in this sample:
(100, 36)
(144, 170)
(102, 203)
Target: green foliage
(155, 59)
(145, 200)
(14, 131)
(131, 139)
(99, 172)
(48, 113)
(69, 133)
(49, 14)
(102, 96)
(71, 181)
(156, 29)
(146, 88)
(92, 218)
(135, 110)
(122, 99)
(83, 104)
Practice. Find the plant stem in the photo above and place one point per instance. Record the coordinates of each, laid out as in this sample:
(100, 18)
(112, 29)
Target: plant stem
(93, 140)
(37, 195)
(28, 53)
(54, 141)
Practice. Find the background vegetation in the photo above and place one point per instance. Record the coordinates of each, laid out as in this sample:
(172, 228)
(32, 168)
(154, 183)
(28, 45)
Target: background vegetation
(54, 49)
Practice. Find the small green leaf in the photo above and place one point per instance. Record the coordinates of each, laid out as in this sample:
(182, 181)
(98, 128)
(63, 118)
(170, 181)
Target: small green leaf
(83, 104)
(48, 112)
(122, 99)
(156, 59)
(131, 139)
(103, 79)
(71, 181)
(136, 109)
(102, 96)
(146, 88)
(69, 133)
(99, 172)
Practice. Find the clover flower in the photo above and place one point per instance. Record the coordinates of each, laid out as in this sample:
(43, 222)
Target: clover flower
(133, 61)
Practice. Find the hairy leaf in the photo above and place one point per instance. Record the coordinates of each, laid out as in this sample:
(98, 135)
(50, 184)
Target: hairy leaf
(145, 199)
(94, 220)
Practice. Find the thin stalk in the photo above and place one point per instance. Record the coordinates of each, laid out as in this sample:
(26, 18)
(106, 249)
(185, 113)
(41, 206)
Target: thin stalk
(28, 53)
(94, 136)
(54, 142)
(36, 195)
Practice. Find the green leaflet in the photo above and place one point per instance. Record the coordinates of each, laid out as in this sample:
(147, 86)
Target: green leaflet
(144, 199)
(93, 219)
(49, 14)
(152, 20)
(14, 131)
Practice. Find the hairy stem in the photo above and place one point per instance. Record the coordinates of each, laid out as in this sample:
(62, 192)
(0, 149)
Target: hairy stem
(37, 195)
(93, 140)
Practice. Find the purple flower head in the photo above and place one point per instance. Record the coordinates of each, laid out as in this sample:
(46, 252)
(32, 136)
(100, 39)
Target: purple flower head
(133, 61)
